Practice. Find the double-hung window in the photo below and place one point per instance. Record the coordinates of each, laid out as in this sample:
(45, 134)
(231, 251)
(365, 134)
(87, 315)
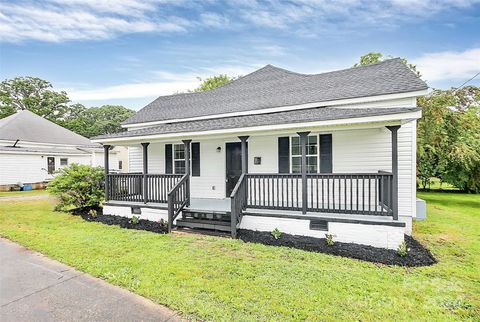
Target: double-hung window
(312, 154)
(179, 158)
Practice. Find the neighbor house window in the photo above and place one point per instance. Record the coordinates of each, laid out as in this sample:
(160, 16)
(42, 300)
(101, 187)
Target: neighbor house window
(312, 154)
(179, 158)
(63, 162)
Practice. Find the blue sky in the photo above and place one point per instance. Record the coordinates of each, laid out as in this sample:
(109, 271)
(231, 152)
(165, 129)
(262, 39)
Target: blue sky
(129, 52)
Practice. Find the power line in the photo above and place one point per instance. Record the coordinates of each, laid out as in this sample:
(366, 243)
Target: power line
(467, 81)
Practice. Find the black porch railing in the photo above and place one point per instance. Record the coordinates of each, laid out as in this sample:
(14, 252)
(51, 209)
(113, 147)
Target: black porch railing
(125, 187)
(159, 185)
(359, 193)
(178, 198)
(131, 186)
(238, 200)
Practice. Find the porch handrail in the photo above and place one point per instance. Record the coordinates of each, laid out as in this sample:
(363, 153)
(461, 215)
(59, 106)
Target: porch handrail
(238, 200)
(178, 198)
(348, 193)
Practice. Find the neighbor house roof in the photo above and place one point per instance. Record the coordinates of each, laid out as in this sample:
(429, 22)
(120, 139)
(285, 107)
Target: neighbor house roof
(19, 149)
(27, 126)
(271, 87)
(296, 116)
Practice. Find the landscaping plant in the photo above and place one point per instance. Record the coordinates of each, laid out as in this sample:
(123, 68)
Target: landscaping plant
(78, 186)
(92, 213)
(329, 239)
(402, 250)
(135, 220)
(276, 233)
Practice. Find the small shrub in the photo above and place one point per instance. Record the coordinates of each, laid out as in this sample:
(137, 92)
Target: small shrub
(135, 220)
(163, 224)
(92, 213)
(78, 186)
(276, 233)
(402, 250)
(329, 239)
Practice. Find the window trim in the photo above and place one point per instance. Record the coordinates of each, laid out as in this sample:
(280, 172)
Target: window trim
(173, 157)
(291, 156)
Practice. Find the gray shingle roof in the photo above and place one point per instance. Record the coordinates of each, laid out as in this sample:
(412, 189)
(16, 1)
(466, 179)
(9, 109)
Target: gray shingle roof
(27, 126)
(274, 87)
(296, 116)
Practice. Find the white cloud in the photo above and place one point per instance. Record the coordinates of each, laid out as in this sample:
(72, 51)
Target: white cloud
(163, 83)
(80, 20)
(449, 65)
(210, 19)
(127, 91)
(61, 20)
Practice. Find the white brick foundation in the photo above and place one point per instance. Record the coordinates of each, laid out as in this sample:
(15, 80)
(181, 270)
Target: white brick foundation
(151, 214)
(377, 235)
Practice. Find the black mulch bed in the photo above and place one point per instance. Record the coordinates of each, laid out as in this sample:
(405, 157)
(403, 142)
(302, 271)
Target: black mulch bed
(417, 254)
(119, 220)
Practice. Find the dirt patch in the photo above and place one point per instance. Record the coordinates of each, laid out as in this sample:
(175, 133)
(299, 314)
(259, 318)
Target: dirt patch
(123, 222)
(417, 254)
(25, 197)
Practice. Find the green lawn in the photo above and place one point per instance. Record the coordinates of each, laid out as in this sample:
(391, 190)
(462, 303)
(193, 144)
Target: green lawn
(22, 193)
(212, 278)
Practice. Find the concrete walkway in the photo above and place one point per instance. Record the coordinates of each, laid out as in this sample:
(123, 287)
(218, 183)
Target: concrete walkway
(36, 288)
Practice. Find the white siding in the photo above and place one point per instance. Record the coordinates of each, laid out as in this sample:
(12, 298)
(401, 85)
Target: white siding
(31, 168)
(135, 159)
(211, 183)
(370, 150)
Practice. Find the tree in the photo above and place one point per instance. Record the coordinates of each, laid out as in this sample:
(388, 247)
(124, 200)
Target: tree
(448, 144)
(374, 57)
(214, 82)
(449, 138)
(33, 94)
(95, 121)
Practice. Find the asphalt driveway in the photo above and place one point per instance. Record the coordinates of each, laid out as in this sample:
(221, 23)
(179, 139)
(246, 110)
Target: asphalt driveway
(36, 288)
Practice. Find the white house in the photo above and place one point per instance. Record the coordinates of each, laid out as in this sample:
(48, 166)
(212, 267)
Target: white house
(33, 148)
(331, 153)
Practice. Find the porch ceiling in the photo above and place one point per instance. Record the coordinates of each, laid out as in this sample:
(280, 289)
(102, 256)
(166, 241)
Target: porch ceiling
(250, 121)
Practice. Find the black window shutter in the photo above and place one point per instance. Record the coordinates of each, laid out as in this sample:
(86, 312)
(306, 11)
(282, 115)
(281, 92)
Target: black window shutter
(196, 159)
(326, 153)
(284, 154)
(168, 159)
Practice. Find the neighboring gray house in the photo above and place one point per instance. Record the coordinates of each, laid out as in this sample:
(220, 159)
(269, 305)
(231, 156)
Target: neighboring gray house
(33, 148)
(332, 153)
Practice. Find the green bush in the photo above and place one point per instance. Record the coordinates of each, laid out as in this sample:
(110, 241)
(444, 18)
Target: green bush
(78, 186)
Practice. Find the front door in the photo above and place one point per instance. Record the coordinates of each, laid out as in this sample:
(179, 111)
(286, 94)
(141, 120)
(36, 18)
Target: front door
(51, 165)
(234, 165)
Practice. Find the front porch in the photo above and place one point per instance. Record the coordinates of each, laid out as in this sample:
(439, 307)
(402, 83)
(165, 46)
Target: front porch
(314, 199)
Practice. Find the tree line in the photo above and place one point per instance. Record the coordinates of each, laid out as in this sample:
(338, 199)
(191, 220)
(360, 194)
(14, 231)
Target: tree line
(37, 95)
(448, 134)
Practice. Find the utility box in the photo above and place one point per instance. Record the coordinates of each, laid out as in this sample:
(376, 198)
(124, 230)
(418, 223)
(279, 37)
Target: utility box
(421, 210)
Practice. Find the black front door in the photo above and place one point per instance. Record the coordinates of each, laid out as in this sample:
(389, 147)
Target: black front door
(234, 165)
